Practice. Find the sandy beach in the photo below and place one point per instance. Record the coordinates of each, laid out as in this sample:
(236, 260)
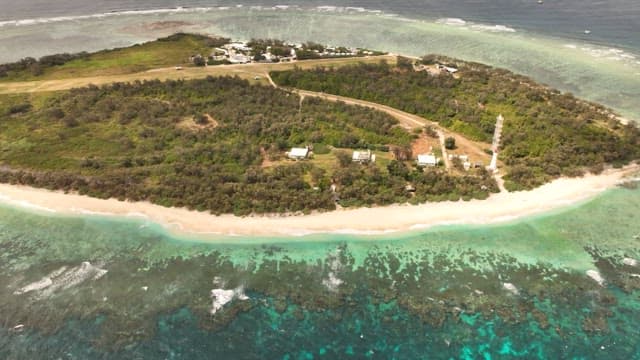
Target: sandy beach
(498, 208)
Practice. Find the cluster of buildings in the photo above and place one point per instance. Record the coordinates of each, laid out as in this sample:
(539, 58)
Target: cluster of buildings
(358, 156)
(362, 156)
(242, 53)
(340, 51)
(367, 157)
(235, 53)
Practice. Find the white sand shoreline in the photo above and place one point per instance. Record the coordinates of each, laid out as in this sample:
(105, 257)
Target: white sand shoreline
(498, 208)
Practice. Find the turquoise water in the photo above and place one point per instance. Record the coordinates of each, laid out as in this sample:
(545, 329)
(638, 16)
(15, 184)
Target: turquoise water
(100, 288)
(597, 72)
(438, 293)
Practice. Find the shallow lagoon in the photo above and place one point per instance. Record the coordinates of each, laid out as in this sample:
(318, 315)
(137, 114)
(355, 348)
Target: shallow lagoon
(596, 72)
(513, 289)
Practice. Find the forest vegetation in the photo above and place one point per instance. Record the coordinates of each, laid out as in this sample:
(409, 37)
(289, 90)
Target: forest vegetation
(215, 144)
(546, 133)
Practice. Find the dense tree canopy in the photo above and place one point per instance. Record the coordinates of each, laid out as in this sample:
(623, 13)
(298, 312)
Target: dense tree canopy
(546, 134)
(214, 144)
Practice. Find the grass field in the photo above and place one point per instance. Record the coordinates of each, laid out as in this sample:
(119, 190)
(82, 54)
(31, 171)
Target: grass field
(111, 75)
(159, 53)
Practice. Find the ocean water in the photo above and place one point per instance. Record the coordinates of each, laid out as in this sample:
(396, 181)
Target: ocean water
(95, 287)
(604, 69)
(565, 284)
(612, 23)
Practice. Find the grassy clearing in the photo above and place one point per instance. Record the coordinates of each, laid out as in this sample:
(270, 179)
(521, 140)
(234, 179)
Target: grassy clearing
(255, 73)
(136, 58)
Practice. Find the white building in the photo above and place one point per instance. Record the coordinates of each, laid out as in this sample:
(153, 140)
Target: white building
(448, 69)
(239, 59)
(363, 157)
(298, 153)
(219, 54)
(427, 160)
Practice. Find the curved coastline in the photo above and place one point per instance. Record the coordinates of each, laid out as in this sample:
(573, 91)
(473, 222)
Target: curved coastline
(498, 208)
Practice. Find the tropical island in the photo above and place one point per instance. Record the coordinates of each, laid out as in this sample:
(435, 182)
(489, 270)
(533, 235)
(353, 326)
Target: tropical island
(267, 127)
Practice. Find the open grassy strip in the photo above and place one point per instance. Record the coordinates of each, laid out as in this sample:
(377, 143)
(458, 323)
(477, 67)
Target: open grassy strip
(546, 134)
(204, 143)
(255, 72)
(174, 50)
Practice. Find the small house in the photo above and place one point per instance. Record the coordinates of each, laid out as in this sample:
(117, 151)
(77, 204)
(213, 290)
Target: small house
(450, 70)
(239, 59)
(298, 153)
(363, 157)
(219, 54)
(427, 160)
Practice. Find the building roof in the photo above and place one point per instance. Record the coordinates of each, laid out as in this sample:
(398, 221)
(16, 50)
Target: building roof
(299, 152)
(448, 69)
(427, 159)
(238, 58)
(361, 155)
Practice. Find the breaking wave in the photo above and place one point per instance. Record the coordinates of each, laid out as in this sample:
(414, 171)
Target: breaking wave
(62, 279)
(178, 10)
(473, 26)
(220, 297)
(46, 20)
(451, 21)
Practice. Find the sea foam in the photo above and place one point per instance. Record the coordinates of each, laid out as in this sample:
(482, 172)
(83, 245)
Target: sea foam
(46, 20)
(493, 28)
(451, 21)
(332, 282)
(62, 279)
(510, 288)
(595, 275)
(478, 27)
(220, 297)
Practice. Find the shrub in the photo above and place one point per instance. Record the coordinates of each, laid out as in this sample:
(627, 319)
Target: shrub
(19, 108)
(450, 143)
